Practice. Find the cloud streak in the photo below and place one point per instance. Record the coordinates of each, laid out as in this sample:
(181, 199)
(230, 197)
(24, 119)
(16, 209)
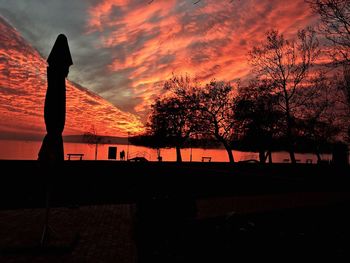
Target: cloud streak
(208, 40)
(124, 49)
(22, 95)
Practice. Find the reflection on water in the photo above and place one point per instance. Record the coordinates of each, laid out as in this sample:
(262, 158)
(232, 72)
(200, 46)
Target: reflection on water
(28, 150)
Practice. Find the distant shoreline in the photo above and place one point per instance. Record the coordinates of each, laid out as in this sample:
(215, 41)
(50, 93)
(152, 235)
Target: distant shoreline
(111, 140)
(67, 138)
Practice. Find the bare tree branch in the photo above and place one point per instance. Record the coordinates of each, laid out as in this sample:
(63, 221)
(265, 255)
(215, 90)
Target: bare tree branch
(286, 64)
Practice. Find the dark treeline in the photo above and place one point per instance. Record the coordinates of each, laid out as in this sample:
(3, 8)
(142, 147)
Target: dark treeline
(154, 142)
(293, 103)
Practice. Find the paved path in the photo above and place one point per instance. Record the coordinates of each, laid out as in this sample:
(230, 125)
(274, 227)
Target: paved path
(105, 235)
(107, 232)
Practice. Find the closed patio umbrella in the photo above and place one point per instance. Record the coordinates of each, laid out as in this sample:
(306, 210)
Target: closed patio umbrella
(59, 62)
(51, 153)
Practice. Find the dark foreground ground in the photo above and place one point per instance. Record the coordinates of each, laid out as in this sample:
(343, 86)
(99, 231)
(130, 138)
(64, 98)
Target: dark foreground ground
(124, 212)
(109, 233)
(23, 183)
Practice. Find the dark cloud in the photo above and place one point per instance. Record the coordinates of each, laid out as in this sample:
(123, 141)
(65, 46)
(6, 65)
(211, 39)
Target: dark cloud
(40, 21)
(91, 102)
(166, 59)
(155, 18)
(115, 13)
(243, 42)
(11, 91)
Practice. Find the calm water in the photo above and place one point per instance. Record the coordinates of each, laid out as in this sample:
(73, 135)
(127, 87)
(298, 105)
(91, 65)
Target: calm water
(28, 150)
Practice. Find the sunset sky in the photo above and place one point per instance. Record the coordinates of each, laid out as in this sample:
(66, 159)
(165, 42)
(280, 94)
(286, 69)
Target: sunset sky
(123, 50)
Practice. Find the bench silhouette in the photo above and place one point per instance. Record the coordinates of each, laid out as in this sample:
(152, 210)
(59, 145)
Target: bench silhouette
(75, 155)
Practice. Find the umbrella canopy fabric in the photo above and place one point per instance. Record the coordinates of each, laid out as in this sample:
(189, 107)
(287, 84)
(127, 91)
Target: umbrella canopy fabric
(59, 62)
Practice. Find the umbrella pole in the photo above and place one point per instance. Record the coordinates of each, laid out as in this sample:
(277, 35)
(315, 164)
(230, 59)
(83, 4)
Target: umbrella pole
(47, 229)
(48, 232)
(44, 235)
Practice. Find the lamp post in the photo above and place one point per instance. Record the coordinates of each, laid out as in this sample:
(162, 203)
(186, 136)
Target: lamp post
(127, 151)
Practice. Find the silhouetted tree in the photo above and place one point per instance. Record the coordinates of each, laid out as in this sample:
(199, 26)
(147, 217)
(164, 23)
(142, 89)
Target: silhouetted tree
(335, 26)
(286, 64)
(316, 118)
(173, 118)
(215, 102)
(258, 118)
(321, 134)
(344, 87)
(91, 137)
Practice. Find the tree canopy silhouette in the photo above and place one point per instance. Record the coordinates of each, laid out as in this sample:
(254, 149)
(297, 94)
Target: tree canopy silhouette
(286, 63)
(193, 110)
(216, 106)
(259, 120)
(173, 117)
(317, 123)
(335, 26)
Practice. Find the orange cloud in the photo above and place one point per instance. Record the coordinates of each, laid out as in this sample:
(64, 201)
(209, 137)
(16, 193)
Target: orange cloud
(22, 95)
(208, 40)
(128, 49)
